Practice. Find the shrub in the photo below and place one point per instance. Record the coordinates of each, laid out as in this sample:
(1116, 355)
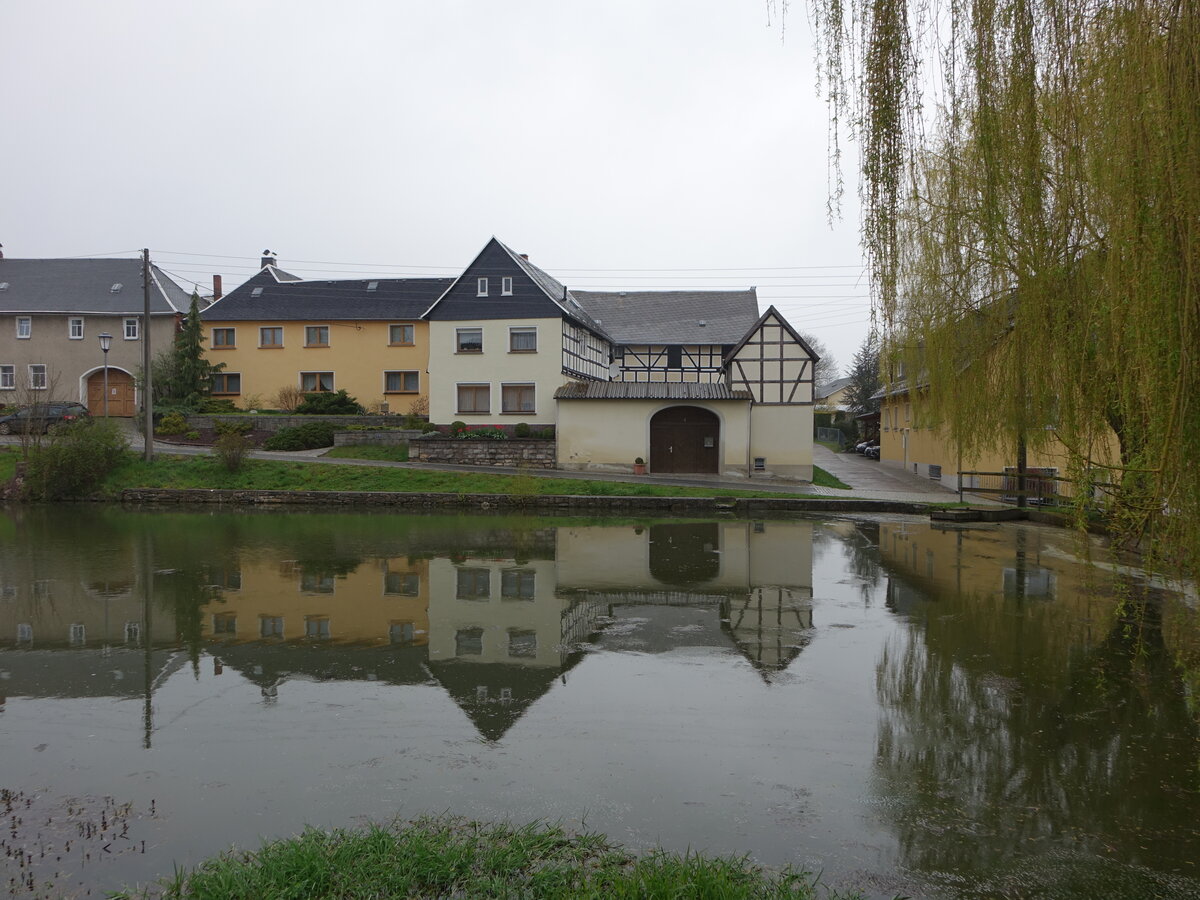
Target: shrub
(484, 434)
(75, 460)
(288, 398)
(457, 429)
(252, 401)
(217, 406)
(327, 403)
(419, 407)
(231, 449)
(193, 435)
(172, 423)
(522, 430)
(308, 436)
(429, 428)
(233, 426)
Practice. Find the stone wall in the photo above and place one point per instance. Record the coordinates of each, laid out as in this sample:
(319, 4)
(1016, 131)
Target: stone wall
(534, 454)
(274, 423)
(392, 438)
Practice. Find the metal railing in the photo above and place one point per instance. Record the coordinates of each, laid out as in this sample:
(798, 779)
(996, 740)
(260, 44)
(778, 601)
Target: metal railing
(1038, 487)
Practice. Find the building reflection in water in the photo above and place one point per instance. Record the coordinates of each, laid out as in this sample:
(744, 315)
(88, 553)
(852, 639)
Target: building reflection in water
(496, 621)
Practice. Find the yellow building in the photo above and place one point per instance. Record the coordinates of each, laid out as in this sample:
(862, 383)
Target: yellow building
(363, 336)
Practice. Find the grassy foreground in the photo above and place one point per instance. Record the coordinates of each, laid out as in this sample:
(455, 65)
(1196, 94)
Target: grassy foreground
(458, 858)
(208, 472)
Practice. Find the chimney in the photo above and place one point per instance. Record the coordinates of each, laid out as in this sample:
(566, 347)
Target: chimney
(1, 251)
(268, 258)
(525, 256)
(216, 288)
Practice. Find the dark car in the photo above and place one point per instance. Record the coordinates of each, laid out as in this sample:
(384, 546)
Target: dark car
(38, 418)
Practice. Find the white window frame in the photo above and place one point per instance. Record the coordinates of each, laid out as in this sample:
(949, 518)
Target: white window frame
(522, 329)
(33, 385)
(317, 378)
(71, 323)
(518, 412)
(412, 330)
(506, 286)
(265, 328)
(474, 412)
(458, 335)
(402, 389)
(24, 328)
(131, 329)
(481, 287)
(8, 377)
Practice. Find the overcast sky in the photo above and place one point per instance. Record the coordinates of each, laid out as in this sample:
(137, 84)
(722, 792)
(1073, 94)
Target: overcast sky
(622, 144)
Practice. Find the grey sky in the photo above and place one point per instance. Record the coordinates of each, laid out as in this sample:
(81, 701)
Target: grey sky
(396, 137)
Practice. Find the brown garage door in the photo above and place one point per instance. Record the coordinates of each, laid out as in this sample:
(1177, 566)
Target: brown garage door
(685, 439)
(120, 393)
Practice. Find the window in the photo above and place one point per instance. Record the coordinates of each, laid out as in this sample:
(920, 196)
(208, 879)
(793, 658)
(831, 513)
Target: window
(470, 340)
(256, 292)
(403, 584)
(468, 642)
(24, 632)
(24, 327)
(316, 381)
(316, 583)
(133, 632)
(316, 628)
(401, 632)
(77, 634)
(227, 383)
(400, 335)
(226, 579)
(474, 399)
(474, 584)
(522, 340)
(401, 382)
(131, 329)
(224, 338)
(270, 626)
(224, 623)
(674, 357)
(75, 329)
(270, 336)
(522, 644)
(316, 335)
(516, 398)
(506, 286)
(37, 377)
(516, 584)
(8, 378)
(481, 287)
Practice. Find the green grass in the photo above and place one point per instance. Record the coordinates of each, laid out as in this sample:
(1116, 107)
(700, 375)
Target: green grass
(397, 453)
(821, 478)
(458, 858)
(9, 457)
(207, 472)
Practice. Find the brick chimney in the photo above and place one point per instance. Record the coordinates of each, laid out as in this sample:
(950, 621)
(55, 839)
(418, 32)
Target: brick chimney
(217, 293)
(268, 258)
(1, 251)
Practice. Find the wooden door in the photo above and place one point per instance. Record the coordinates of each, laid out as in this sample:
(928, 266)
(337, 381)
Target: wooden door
(120, 394)
(685, 439)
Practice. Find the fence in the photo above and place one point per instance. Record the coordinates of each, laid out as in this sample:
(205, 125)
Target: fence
(831, 435)
(1039, 487)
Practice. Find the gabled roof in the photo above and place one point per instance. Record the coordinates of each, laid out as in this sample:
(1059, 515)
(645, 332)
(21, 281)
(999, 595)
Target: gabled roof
(772, 312)
(672, 317)
(54, 286)
(652, 390)
(284, 297)
(833, 387)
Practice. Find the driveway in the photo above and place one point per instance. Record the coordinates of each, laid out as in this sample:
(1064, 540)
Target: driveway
(871, 478)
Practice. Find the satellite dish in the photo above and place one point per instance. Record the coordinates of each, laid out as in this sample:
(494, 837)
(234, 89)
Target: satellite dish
(614, 371)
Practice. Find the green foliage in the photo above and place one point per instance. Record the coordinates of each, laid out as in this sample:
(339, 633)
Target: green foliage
(186, 374)
(217, 406)
(192, 435)
(172, 423)
(329, 403)
(483, 434)
(428, 428)
(864, 379)
(308, 436)
(75, 460)
(388, 453)
(522, 430)
(232, 426)
(457, 428)
(231, 448)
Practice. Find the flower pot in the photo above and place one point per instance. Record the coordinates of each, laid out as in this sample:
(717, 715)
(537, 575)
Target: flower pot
(639, 468)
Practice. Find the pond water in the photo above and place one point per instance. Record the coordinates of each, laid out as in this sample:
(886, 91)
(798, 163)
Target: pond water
(959, 712)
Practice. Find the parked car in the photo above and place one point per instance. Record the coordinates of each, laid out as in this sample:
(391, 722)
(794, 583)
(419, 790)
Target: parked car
(861, 446)
(872, 452)
(38, 418)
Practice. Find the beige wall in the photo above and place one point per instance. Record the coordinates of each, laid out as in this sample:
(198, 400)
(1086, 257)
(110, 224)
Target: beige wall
(358, 355)
(782, 436)
(495, 366)
(69, 362)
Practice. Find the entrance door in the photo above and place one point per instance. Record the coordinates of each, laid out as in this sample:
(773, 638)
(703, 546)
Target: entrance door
(120, 393)
(685, 439)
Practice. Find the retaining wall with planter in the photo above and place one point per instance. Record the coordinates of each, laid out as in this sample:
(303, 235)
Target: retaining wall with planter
(534, 454)
(274, 423)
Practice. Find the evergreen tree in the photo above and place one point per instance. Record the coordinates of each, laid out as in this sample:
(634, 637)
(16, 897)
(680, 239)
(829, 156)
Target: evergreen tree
(190, 373)
(865, 381)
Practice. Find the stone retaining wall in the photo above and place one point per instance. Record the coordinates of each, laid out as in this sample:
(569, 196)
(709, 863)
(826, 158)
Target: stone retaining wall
(274, 423)
(534, 454)
(378, 438)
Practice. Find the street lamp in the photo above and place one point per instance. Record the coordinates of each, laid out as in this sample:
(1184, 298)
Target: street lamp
(105, 343)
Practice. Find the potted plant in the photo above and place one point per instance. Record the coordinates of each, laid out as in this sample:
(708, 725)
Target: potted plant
(639, 466)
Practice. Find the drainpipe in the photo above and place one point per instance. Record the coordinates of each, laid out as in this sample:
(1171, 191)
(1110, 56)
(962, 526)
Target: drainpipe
(749, 440)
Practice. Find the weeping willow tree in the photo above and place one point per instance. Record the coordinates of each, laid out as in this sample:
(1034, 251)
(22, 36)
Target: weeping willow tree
(1031, 194)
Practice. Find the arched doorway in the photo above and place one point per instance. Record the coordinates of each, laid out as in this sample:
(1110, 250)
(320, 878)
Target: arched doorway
(120, 393)
(685, 439)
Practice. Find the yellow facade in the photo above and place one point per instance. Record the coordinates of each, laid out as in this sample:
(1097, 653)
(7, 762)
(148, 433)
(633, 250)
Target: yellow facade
(334, 354)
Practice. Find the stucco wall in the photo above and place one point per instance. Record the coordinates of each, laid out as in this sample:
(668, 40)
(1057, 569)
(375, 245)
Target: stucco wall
(782, 436)
(495, 366)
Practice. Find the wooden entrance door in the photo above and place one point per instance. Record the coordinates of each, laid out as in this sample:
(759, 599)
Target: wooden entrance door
(120, 394)
(685, 439)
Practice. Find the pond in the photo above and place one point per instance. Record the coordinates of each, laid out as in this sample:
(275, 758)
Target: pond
(955, 711)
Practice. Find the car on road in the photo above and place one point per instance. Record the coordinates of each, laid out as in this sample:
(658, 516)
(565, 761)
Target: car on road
(40, 417)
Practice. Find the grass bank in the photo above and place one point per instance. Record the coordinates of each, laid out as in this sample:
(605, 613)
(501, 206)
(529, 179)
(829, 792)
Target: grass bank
(207, 472)
(398, 453)
(457, 858)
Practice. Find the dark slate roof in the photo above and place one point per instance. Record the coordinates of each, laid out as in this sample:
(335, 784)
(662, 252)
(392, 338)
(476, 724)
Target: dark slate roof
(654, 390)
(833, 387)
(291, 299)
(672, 317)
(85, 286)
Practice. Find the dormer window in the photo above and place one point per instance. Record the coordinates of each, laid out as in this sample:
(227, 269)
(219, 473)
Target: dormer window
(116, 288)
(481, 287)
(506, 286)
(372, 285)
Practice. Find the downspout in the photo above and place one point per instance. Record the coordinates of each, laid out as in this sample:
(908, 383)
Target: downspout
(749, 438)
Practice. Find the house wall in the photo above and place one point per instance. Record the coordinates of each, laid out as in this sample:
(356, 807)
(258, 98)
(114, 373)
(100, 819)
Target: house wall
(358, 355)
(495, 366)
(69, 362)
(608, 434)
(702, 363)
(782, 436)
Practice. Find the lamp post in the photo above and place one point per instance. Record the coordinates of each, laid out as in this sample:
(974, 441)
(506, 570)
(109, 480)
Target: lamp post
(105, 343)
